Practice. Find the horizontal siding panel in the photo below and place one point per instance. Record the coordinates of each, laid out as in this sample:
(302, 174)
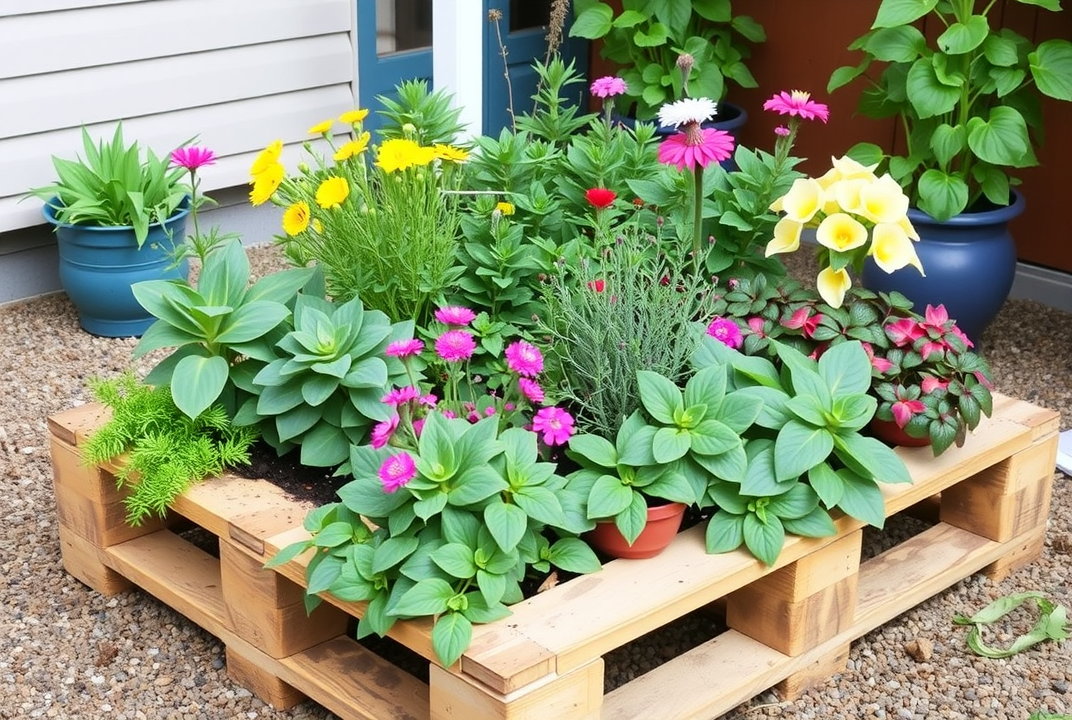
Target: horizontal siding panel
(236, 131)
(29, 7)
(93, 36)
(62, 100)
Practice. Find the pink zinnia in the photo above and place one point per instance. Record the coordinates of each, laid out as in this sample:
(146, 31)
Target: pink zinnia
(696, 146)
(460, 316)
(608, 86)
(192, 157)
(404, 348)
(524, 359)
(455, 345)
(396, 471)
(382, 432)
(398, 396)
(797, 103)
(726, 331)
(555, 423)
(530, 389)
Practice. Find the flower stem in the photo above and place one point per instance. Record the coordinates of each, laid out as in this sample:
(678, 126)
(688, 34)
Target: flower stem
(697, 215)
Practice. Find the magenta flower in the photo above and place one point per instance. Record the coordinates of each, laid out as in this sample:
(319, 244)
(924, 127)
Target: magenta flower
(460, 316)
(696, 146)
(429, 400)
(418, 426)
(382, 432)
(797, 103)
(192, 157)
(404, 348)
(726, 331)
(524, 359)
(455, 345)
(555, 423)
(399, 396)
(530, 389)
(396, 471)
(608, 86)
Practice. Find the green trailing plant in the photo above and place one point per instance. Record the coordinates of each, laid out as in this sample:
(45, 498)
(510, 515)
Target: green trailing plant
(324, 391)
(1052, 624)
(220, 329)
(165, 451)
(113, 186)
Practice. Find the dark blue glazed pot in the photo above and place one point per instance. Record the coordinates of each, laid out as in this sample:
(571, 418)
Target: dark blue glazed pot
(970, 261)
(99, 264)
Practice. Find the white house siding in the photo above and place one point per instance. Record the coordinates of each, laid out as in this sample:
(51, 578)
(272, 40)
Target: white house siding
(237, 74)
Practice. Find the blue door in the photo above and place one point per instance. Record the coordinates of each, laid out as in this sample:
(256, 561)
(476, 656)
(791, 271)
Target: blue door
(394, 43)
(523, 28)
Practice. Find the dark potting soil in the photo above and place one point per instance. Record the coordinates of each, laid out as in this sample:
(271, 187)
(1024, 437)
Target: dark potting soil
(300, 482)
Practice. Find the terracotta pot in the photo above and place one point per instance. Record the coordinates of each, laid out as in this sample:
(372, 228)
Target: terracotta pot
(888, 432)
(660, 530)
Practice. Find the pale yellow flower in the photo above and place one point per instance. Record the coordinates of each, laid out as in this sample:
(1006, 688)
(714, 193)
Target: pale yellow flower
(321, 128)
(907, 226)
(354, 147)
(841, 232)
(846, 196)
(883, 201)
(786, 237)
(505, 208)
(845, 168)
(451, 153)
(832, 285)
(803, 200)
(353, 117)
(332, 192)
(296, 218)
(265, 183)
(892, 249)
(267, 157)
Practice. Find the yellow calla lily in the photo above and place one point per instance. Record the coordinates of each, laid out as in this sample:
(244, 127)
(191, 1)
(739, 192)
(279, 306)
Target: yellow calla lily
(883, 201)
(803, 200)
(786, 237)
(841, 232)
(832, 286)
(850, 169)
(892, 249)
(847, 196)
(906, 225)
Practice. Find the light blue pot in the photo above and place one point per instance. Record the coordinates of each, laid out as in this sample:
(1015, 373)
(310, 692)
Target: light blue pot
(99, 264)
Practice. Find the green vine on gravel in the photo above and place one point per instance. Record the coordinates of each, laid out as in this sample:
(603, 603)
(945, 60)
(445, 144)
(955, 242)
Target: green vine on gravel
(1052, 624)
(166, 451)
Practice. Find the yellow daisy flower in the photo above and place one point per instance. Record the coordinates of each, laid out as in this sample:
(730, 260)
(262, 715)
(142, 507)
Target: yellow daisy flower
(401, 153)
(353, 117)
(296, 218)
(332, 192)
(268, 156)
(505, 208)
(265, 183)
(451, 153)
(321, 128)
(354, 147)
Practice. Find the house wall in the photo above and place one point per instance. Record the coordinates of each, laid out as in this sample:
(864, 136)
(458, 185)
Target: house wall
(237, 75)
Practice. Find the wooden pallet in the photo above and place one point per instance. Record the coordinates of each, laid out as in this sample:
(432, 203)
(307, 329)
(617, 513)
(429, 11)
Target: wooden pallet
(790, 625)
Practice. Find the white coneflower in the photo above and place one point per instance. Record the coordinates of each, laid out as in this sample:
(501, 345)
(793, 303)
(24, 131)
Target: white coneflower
(689, 110)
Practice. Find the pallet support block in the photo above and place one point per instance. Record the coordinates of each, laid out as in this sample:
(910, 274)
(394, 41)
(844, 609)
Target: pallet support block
(82, 560)
(261, 682)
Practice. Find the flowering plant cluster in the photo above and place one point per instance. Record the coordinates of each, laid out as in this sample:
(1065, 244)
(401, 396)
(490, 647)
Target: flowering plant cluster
(192, 158)
(855, 214)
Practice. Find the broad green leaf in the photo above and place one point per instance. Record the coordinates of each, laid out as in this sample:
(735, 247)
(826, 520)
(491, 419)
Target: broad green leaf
(725, 532)
(892, 13)
(594, 448)
(712, 437)
(540, 504)
(961, 38)
(455, 559)
(862, 499)
(771, 402)
(895, 44)
(197, 382)
(506, 522)
(674, 486)
(322, 572)
(669, 444)
(764, 539)
(1002, 138)
(817, 523)
(1051, 67)
(941, 195)
(573, 555)
(706, 387)
(288, 553)
(376, 619)
(660, 396)
(427, 597)
(451, 636)
(927, 93)
(808, 409)
(492, 586)
(826, 483)
(593, 23)
(608, 497)
(634, 441)
(476, 484)
(738, 412)
(333, 535)
(225, 275)
(880, 462)
(251, 321)
(800, 447)
(392, 552)
(759, 479)
(730, 465)
(631, 521)
(796, 503)
(480, 612)
(846, 369)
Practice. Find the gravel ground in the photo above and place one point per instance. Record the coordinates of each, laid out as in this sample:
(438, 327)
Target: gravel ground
(67, 652)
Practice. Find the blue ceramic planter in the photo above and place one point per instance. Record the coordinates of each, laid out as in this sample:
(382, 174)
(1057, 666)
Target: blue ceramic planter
(970, 261)
(99, 264)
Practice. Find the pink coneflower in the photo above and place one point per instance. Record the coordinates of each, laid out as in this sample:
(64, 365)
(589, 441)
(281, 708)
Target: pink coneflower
(696, 146)
(555, 423)
(454, 315)
(455, 345)
(524, 359)
(608, 86)
(726, 331)
(192, 157)
(530, 389)
(399, 396)
(797, 103)
(404, 348)
(396, 471)
(600, 198)
(382, 432)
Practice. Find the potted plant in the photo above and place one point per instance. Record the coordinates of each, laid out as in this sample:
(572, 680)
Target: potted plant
(968, 101)
(118, 217)
(646, 38)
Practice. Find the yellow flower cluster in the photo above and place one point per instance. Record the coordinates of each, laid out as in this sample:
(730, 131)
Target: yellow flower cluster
(855, 214)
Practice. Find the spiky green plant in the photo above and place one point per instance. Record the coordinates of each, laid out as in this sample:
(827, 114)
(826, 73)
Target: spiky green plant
(166, 451)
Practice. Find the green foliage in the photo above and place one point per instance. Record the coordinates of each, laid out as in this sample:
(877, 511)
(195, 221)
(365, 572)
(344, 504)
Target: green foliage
(325, 389)
(166, 450)
(432, 114)
(552, 117)
(969, 102)
(453, 541)
(1052, 624)
(648, 36)
(217, 327)
(113, 186)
